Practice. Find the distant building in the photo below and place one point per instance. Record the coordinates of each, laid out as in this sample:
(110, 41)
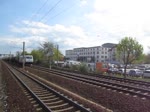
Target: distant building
(104, 53)
(88, 54)
(92, 55)
(111, 52)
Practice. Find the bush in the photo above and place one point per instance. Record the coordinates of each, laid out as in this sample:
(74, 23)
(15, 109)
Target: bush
(83, 68)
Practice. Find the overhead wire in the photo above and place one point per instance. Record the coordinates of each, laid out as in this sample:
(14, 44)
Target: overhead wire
(39, 9)
(59, 13)
(50, 10)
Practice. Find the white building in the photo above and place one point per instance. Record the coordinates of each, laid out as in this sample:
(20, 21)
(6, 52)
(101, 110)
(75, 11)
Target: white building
(112, 58)
(88, 54)
(92, 55)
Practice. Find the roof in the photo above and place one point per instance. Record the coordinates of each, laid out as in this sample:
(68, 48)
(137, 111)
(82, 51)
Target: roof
(109, 45)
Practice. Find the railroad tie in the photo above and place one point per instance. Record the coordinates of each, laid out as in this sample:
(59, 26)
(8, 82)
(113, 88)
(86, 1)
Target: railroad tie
(53, 103)
(64, 110)
(58, 106)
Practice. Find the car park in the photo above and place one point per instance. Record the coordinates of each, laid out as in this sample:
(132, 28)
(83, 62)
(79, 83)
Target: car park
(112, 70)
(121, 71)
(136, 72)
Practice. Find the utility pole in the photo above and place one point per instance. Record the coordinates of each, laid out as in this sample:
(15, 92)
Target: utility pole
(23, 63)
(10, 57)
(57, 54)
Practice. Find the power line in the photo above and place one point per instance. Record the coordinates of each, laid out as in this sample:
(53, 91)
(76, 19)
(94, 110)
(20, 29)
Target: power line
(39, 9)
(59, 13)
(50, 10)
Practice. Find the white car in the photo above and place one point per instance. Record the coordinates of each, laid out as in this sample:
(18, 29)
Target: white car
(135, 72)
(121, 71)
(69, 63)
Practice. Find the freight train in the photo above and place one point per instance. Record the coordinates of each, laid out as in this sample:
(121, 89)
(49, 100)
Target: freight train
(27, 58)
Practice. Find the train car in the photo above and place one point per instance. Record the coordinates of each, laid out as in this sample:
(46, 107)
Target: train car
(28, 59)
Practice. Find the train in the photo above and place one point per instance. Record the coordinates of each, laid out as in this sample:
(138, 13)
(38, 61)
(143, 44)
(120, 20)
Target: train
(19, 59)
(28, 59)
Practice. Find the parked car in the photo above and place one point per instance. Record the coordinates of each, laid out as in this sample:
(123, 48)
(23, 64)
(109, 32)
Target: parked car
(136, 72)
(112, 70)
(121, 71)
(147, 73)
(69, 63)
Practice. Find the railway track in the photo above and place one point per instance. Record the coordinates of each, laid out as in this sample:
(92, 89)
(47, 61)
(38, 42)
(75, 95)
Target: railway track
(142, 84)
(136, 89)
(44, 98)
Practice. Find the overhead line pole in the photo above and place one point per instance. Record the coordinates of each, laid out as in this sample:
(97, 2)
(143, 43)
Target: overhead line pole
(57, 55)
(23, 63)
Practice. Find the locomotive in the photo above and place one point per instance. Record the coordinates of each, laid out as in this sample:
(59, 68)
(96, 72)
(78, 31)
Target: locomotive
(27, 58)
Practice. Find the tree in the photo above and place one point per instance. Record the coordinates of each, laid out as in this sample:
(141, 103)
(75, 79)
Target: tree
(129, 50)
(47, 48)
(57, 54)
(50, 52)
(37, 55)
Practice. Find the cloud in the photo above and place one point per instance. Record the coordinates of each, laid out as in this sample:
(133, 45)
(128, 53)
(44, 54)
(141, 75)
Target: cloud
(83, 2)
(68, 36)
(113, 20)
(15, 43)
(105, 21)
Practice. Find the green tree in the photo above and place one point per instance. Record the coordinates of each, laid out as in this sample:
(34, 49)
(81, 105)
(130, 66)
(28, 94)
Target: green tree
(57, 54)
(129, 50)
(37, 56)
(51, 52)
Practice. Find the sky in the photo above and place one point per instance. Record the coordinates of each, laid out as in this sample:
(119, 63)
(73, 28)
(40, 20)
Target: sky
(72, 23)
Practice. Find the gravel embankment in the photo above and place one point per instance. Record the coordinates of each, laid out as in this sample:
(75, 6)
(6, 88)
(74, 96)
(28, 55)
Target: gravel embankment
(16, 100)
(118, 102)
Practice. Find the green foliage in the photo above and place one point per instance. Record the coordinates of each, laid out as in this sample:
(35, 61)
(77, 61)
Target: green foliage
(142, 59)
(83, 68)
(37, 55)
(129, 50)
(74, 67)
(57, 54)
(47, 52)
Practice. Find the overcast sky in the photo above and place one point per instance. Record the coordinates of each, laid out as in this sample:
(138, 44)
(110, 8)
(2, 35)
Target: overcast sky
(72, 23)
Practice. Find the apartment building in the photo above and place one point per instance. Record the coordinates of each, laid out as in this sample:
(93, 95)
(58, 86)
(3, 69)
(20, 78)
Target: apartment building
(112, 58)
(88, 54)
(104, 53)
